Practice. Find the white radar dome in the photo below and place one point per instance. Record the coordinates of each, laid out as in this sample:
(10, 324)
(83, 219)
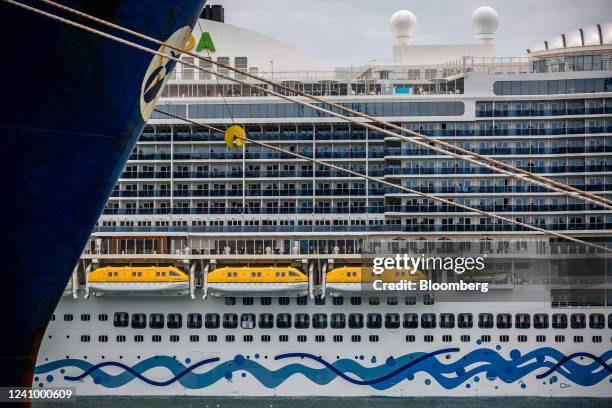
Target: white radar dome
(403, 25)
(485, 22)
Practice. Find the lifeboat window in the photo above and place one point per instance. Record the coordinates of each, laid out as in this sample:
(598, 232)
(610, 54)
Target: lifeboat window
(247, 321)
(392, 321)
(284, 301)
(540, 321)
(338, 321)
(115, 273)
(163, 273)
(302, 321)
(110, 274)
(121, 319)
(355, 321)
(156, 321)
(194, 321)
(283, 321)
(447, 320)
(139, 321)
(578, 321)
(355, 301)
(230, 301)
(229, 274)
(319, 321)
(134, 274)
(211, 321)
(139, 274)
(265, 338)
(266, 321)
(158, 274)
(175, 321)
(230, 338)
(597, 321)
(291, 273)
(235, 274)
(465, 321)
(559, 321)
(485, 321)
(374, 321)
(212, 338)
(230, 321)
(172, 273)
(302, 338)
(247, 301)
(355, 338)
(428, 321)
(411, 321)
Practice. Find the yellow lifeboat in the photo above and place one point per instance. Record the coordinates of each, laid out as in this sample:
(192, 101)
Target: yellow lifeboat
(257, 279)
(120, 280)
(359, 279)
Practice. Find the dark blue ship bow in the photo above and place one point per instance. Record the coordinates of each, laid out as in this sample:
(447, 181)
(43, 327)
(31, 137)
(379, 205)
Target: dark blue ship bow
(73, 105)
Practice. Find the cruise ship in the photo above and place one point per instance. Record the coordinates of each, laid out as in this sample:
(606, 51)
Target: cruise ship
(75, 106)
(245, 272)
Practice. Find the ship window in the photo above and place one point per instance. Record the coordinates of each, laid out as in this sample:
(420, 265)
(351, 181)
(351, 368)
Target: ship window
(578, 321)
(302, 338)
(485, 338)
(540, 321)
(522, 338)
(247, 301)
(338, 338)
(194, 321)
(428, 299)
(283, 338)
(410, 338)
(338, 300)
(374, 321)
(265, 338)
(121, 319)
(194, 338)
(559, 321)
(392, 321)
(428, 321)
(102, 338)
(355, 321)
(610, 321)
(411, 321)
(355, 300)
(428, 338)
(410, 300)
(156, 338)
(156, 321)
(447, 320)
(504, 338)
(541, 338)
(230, 321)
(283, 301)
(302, 321)
(230, 338)
(139, 321)
(319, 338)
(338, 321)
(447, 338)
(302, 300)
(68, 317)
(560, 339)
(374, 301)
(103, 317)
(522, 321)
(373, 338)
(85, 338)
(597, 339)
(504, 321)
(597, 321)
(175, 321)
(465, 321)
(392, 300)
(266, 321)
(283, 321)
(465, 338)
(86, 317)
(578, 339)
(247, 338)
(212, 338)
(355, 338)
(139, 338)
(230, 301)
(266, 301)
(211, 321)
(485, 321)
(120, 338)
(319, 321)
(319, 301)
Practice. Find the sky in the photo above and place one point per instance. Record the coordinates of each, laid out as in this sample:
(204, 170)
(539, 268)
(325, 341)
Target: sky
(352, 32)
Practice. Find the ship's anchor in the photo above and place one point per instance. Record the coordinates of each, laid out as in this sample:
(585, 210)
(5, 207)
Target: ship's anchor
(234, 136)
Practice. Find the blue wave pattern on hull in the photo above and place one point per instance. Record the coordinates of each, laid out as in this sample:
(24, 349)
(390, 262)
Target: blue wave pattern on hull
(582, 368)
